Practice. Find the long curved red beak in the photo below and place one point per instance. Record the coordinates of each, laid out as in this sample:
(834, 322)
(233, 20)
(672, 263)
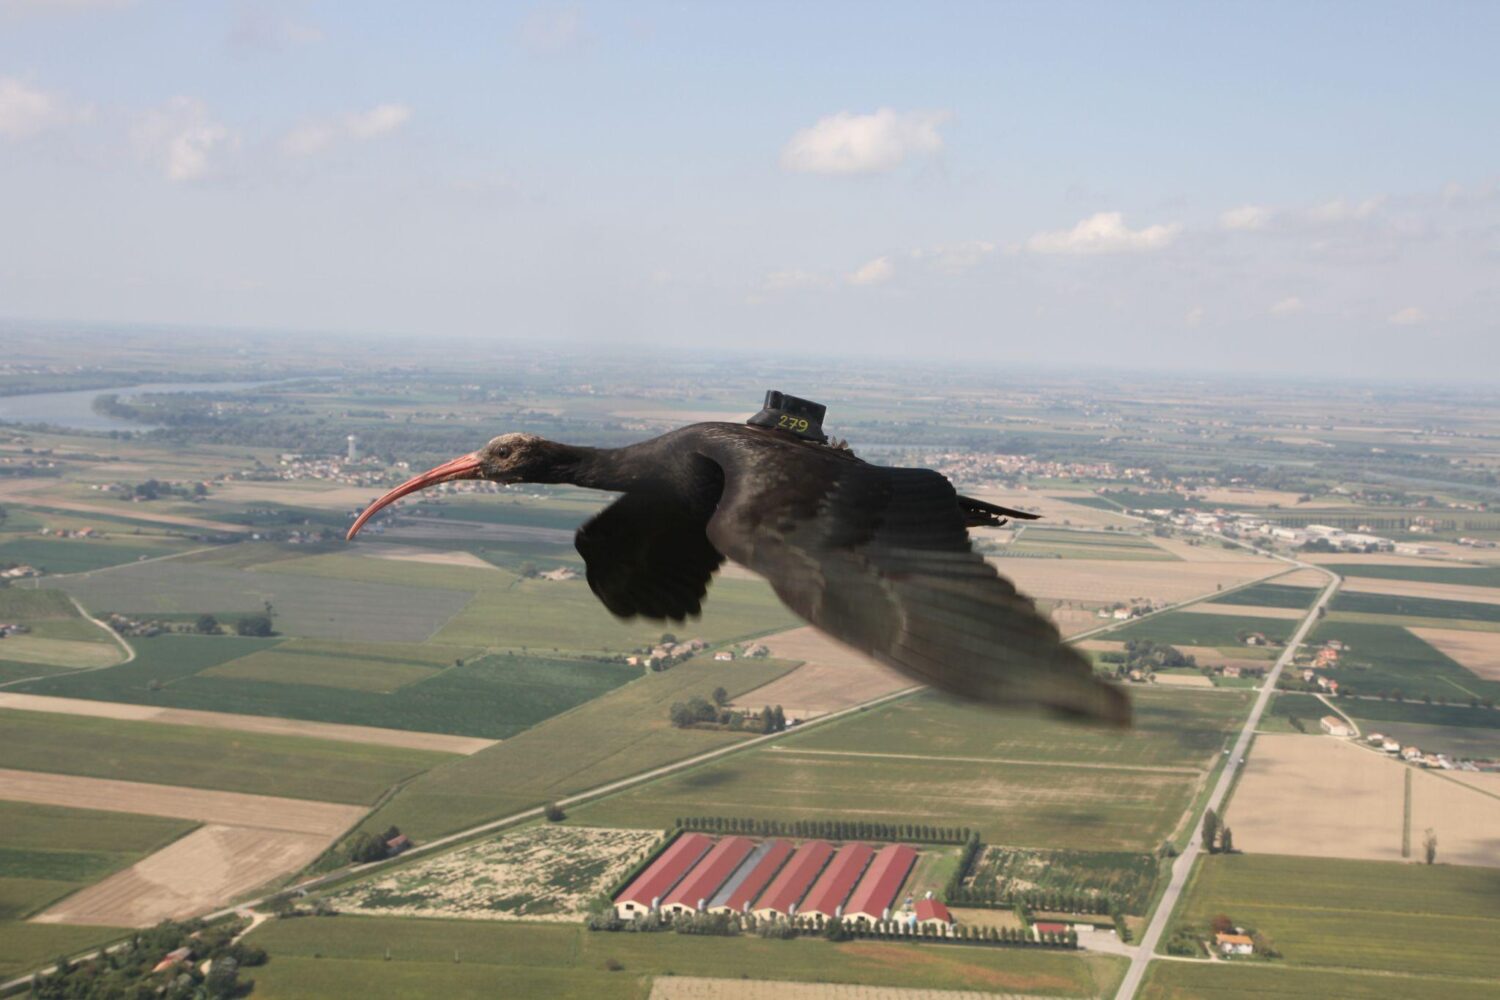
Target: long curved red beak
(464, 467)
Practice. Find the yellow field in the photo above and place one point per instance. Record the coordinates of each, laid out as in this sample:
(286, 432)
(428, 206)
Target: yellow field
(832, 676)
(60, 652)
(1245, 611)
(1102, 581)
(1477, 651)
(1415, 588)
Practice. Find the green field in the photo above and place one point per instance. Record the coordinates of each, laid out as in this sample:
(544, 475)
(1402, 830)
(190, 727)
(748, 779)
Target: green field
(48, 852)
(1437, 920)
(494, 697)
(1390, 658)
(1475, 576)
(291, 766)
(346, 956)
(1064, 544)
(1004, 873)
(1270, 595)
(1259, 981)
(1018, 779)
(22, 603)
(1421, 714)
(1419, 607)
(615, 735)
(78, 556)
(1192, 629)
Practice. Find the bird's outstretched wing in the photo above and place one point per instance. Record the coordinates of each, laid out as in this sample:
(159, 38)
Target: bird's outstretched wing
(880, 559)
(648, 555)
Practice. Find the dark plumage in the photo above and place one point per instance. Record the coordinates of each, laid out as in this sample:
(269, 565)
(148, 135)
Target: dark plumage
(878, 558)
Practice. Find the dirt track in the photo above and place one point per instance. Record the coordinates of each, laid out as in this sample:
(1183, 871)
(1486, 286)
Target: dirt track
(246, 723)
(191, 876)
(262, 812)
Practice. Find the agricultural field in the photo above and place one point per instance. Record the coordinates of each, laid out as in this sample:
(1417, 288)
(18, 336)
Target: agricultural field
(535, 873)
(1353, 602)
(1256, 981)
(1477, 652)
(1030, 782)
(387, 956)
(1467, 576)
(297, 767)
(1270, 595)
(56, 555)
(1004, 873)
(1390, 658)
(1415, 920)
(1102, 581)
(492, 697)
(58, 637)
(1056, 543)
(1199, 629)
(1317, 796)
(52, 851)
(832, 676)
(620, 733)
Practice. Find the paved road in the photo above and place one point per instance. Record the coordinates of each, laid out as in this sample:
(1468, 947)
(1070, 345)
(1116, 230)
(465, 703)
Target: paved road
(1183, 866)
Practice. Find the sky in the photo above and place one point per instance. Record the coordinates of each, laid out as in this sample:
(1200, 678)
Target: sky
(1308, 187)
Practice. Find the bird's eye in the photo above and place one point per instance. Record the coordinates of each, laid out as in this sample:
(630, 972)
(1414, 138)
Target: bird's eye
(503, 453)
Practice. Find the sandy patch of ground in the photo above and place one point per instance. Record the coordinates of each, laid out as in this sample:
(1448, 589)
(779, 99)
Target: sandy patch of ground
(539, 873)
(1244, 611)
(198, 873)
(1071, 621)
(328, 497)
(59, 652)
(832, 676)
(1485, 782)
(1102, 645)
(1104, 581)
(1184, 680)
(1476, 651)
(1416, 588)
(406, 553)
(1320, 797)
(1303, 578)
(703, 988)
(263, 812)
(246, 723)
(1314, 796)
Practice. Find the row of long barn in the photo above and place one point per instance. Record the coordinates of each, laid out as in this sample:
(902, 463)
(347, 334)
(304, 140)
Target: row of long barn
(772, 878)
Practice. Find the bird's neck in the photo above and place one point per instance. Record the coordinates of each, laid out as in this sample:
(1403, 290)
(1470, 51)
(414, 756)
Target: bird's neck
(599, 469)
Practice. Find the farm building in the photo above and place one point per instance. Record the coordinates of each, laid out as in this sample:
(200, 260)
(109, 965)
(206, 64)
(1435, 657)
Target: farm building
(736, 895)
(644, 894)
(783, 895)
(827, 896)
(1335, 726)
(877, 890)
(933, 914)
(1234, 944)
(700, 884)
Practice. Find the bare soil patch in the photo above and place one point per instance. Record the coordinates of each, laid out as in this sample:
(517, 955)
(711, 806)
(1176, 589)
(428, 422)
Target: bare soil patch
(246, 723)
(1476, 651)
(331, 497)
(1417, 588)
(404, 553)
(1304, 578)
(262, 812)
(1466, 822)
(1071, 621)
(832, 676)
(1184, 680)
(1315, 796)
(1255, 498)
(1104, 581)
(1245, 611)
(203, 870)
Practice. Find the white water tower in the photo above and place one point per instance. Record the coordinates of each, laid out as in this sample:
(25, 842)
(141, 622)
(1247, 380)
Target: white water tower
(353, 448)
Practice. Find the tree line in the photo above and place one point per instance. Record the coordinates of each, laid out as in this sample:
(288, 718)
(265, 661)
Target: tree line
(828, 829)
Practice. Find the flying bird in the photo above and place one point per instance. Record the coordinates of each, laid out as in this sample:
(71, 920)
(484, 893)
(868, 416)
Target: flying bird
(878, 558)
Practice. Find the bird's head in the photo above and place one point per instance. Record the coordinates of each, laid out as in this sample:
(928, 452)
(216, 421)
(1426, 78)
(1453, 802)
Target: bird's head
(509, 458)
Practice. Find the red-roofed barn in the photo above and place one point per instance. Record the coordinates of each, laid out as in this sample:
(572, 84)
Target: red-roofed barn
(739, 892)
(826, 897)
(694, 891)
(877, 890)
(644, 893)
(783, 895)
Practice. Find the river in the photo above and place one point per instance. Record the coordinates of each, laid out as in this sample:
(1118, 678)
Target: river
(75, 409)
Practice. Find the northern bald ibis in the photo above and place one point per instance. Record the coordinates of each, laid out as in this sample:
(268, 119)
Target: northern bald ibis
(878, 558)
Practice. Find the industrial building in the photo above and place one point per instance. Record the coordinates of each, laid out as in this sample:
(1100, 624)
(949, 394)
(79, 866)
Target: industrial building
(876, 892)
(746, 885)
(826, 898)
(646, 891)
(693, 893)
(786, 891)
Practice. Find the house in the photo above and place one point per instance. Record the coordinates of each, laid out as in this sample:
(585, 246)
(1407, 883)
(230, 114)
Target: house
(400, 842)
(1375, 738)
(172, 959)
(1255, 639)
(723, 656)
(1121, 614)
(1411, 753)
(933, 914)
(1231, 671)
(1234, 944)
(1050, 927)
(1335, 726)
(1390, 746)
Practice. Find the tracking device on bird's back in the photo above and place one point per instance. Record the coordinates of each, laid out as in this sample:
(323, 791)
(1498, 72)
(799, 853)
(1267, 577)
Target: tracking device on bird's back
(801, 417)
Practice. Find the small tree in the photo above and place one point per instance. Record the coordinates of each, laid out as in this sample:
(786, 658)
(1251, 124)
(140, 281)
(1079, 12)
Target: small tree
(1221, 924)
(256, 626)
(721, 697)
(1429, 846)
(1210, 830)
(554, 813)
(207, 625)
(1226, 841)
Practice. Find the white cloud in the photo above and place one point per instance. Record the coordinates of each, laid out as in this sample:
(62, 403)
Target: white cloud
(1340, 210)
(25, 111)
(550, 30)
(793, 280)
(955, 258)
(1194, 316)
(181, 139)
(1410, 316)
(875, 272)
(847, 143)
(314, 137)
(260, 26)
(1246, 217)
(1105, 232)
(1289, 306)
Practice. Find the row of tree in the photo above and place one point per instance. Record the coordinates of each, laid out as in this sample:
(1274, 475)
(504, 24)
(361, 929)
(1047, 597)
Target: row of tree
(699, 711)
(1060, 900)
(211, 973)
(1217, 836)
(729, 925)
(827, 829)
